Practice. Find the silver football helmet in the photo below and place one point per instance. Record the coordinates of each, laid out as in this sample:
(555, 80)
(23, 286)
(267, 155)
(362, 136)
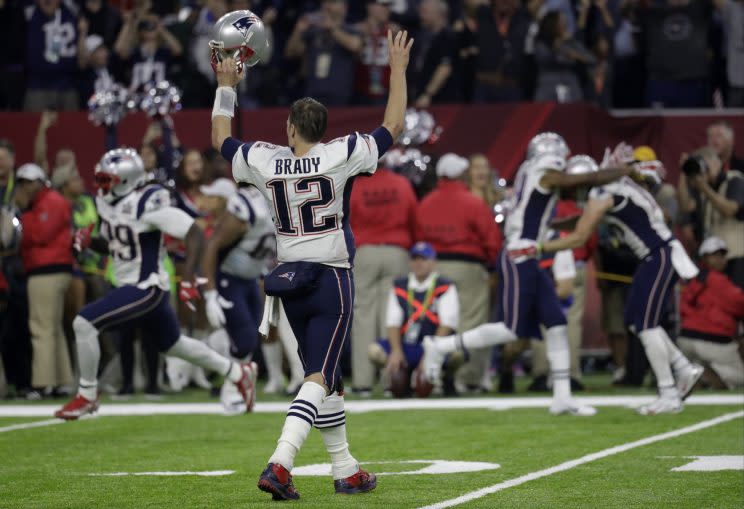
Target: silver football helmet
(581, 164)
(547, 143)
(240, 35)
(119, 172)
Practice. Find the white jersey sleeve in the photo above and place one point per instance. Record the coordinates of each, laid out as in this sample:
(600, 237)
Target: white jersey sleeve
(599, 193)
(250, 158)
(239, 208)
(449, 308)
(394, 314)
(169, 220)
(363, 154)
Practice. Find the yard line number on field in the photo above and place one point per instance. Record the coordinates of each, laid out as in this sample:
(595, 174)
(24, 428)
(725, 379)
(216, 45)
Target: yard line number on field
(568, 465)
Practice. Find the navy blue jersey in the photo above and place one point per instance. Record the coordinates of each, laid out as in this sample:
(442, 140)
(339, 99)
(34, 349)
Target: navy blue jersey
(148, 68)
(51, 48)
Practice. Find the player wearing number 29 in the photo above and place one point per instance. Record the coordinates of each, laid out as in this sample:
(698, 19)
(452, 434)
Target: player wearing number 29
(134, 216)
(308, 185)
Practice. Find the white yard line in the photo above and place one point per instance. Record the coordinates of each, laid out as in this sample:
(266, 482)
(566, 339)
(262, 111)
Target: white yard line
(568, 465)
(360, 406)
(28, 425)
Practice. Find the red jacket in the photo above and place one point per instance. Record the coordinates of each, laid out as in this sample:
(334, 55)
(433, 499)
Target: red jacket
(711, 307)
(46, 246)
(383, 210)
(458, 224)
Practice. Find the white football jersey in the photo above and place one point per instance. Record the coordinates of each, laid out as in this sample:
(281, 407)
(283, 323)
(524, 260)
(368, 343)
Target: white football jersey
(134, 227)
(636, 214)
(528, 220)
(309, 195)
(254, 253)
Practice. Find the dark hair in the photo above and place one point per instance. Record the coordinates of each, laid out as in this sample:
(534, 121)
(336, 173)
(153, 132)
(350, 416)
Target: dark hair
(7, 145)
(550, 28)
(310, 118)
(182, 182)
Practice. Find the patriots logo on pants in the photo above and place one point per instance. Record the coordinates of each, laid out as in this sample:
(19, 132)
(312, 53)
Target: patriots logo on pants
(288, 275)
(243, 24)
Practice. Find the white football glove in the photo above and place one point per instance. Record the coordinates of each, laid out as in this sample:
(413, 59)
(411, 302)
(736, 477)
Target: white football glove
(214, 307)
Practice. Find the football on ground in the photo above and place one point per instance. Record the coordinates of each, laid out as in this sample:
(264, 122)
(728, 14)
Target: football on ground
(425, 452)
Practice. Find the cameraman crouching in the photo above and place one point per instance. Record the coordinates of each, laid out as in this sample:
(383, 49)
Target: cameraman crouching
(711, 307)
(713, 201)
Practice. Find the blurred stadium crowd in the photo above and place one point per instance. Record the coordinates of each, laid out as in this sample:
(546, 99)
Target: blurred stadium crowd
(615, 53)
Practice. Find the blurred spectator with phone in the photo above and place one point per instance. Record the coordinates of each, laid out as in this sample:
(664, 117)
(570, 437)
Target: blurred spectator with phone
(713, 200)
(328, 46)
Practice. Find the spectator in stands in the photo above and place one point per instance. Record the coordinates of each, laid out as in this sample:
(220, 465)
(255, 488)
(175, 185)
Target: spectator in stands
(732, 16)
(566, 9)
(462, 230)
(383, 219)
(628, 88)
(675, 34)
(146, 48)
(432, 75)
(721, 139)
(711, 309)
(560, 59)
(479, 178)
(46, 249)
(372, 70)
(104, 20)
(466, 32)
(7, 176)
(501, 66)
(62, 157)
(328, 46)
(200, 51)
(51, 56)
(93, 58)
(715, 199)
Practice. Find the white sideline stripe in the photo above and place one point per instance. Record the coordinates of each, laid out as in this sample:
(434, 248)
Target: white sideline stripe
(207, 473)
(360, 406)
(28, 425)
(568, 465)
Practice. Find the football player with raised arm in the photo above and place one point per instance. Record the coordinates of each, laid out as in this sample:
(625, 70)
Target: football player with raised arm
(134, 216)
(528, 296)
(308, 185)
(631, 208)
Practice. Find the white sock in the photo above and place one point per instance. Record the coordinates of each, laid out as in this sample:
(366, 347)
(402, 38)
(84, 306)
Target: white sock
(331, 423)
(89, 355)
(658, 357)
(300, 418)
(677, 359)
(272, 354)
(289, 342)
(199, 353)
(488, 334)
(559, 357)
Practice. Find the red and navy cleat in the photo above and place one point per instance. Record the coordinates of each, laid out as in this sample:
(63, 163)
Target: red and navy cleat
(360, 482)
(76, 408)
(247, 384)
(278, 481)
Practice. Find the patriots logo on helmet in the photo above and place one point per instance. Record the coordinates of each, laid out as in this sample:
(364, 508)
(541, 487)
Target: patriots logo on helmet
(243, 24)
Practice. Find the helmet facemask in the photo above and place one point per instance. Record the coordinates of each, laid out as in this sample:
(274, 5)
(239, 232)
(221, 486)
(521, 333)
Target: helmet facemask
(241, 54)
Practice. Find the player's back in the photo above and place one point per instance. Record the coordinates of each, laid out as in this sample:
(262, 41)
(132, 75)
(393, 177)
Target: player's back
(252, 255)
(136, 248)
(527, 221)
(309, 195)
(636, 213)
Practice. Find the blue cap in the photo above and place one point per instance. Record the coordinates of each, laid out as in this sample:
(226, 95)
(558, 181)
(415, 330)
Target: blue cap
(424, 250)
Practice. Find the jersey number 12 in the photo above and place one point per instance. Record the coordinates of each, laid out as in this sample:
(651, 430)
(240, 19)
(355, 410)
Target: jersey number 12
(322, 194)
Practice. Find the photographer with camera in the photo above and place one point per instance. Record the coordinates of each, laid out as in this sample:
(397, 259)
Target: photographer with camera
(713, 202)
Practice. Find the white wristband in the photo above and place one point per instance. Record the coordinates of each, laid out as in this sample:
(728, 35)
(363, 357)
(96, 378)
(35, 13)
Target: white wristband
(224, 102)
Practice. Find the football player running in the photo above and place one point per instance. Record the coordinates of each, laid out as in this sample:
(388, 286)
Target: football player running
(631, 208)
(308, 185)
(240, 251)
(528, 296)
(134, 216)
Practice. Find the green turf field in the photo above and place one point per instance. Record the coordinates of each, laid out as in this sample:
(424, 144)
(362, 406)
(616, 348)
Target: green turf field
(51, 466)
